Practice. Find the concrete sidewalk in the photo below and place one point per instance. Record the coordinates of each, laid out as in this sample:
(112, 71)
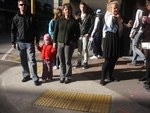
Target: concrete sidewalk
(19, 97)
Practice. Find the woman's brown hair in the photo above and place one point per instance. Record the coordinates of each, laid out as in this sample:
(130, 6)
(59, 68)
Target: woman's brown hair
(68, 5)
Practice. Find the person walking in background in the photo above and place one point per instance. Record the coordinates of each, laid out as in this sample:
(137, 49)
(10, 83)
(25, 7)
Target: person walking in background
(111, 50)
(85, 20)
(47, 54)
(146, 44)
(97, 35)
(136, 32)
(57, 14)
(24, 29)
(66, 34)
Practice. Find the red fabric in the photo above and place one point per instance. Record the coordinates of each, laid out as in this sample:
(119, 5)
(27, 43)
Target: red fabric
(47, 52)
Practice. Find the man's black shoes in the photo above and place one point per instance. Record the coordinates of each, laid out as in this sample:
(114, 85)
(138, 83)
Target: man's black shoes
(25, 79)
(37, 83)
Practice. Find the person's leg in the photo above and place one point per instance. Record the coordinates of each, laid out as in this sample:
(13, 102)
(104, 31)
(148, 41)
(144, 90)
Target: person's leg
(54, 63)
(97, 44)
(50, 70)
(68, 57)
(134, 53)
(57, 61)
(62, 61)
(79, 53)
(33, 64)
(23, 59)
(85, 51)
(105, 69)
(95, 53)
(136, 45)
(80, 44)
(111, 68)
(44, 72)
(147, 75)
(100, 52)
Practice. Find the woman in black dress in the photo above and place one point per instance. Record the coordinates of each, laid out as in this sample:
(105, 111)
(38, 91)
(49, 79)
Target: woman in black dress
(111, 50)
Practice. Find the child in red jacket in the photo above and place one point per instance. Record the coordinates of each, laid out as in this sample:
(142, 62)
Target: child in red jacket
(47, 54)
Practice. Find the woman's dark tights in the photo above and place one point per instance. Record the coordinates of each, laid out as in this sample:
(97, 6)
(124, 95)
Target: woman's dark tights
(108, 67)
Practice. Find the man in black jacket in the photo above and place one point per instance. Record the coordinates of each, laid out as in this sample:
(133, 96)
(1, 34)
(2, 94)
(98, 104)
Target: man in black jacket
(24, 29)
(86, 21)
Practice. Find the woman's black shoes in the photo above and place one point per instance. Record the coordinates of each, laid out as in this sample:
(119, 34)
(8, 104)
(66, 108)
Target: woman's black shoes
(66, 80)
(62, 80)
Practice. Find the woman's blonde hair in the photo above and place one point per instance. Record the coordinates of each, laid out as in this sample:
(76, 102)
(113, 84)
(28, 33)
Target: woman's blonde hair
(110, 3)
(56, 12)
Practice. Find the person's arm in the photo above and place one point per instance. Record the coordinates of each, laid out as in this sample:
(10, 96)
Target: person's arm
(95, 26)
(92, 25)
(51, 27)
(13, 33)
(37, 30)
(76, 33)
(55, 33)
(40, 48)
(136, 24)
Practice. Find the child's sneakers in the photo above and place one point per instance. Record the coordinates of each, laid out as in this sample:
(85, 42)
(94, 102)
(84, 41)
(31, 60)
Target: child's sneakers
(48, 80)
(55, 67)
(43, 80)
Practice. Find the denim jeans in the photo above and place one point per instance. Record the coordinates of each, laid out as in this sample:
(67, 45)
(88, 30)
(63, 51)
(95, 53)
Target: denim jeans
(27, 52)
(136, 51)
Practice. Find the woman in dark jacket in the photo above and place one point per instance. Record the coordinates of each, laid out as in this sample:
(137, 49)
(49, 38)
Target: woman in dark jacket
(66, 33)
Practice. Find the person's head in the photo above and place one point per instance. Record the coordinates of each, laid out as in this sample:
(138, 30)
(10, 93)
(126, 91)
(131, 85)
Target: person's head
(47, 39)
(57, 13)
(114, 7)
(83, 7)
(22, 5)
(148, 5)
(140, 3)
(98, 12)
(67, 10)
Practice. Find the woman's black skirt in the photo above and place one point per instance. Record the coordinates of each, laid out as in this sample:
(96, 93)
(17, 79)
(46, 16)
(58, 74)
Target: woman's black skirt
(111, 45)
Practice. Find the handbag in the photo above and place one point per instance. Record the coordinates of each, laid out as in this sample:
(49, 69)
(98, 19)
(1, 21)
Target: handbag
(145, 45)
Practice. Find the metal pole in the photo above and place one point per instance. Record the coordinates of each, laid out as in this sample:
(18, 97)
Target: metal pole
(33, 6)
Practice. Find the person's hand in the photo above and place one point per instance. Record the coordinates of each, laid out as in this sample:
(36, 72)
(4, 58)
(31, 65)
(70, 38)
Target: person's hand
(131, 36)
(54, 45)
(144, 19)
(86, 35)
(148, 20)
(76, 17)
(14, 46)
(91, 39)
(128, 25)
(37, 44)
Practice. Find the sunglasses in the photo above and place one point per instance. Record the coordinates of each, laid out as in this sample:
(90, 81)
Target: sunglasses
(22, 4)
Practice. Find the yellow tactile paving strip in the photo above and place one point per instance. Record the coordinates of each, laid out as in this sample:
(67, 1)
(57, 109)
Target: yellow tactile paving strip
(95, 103)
